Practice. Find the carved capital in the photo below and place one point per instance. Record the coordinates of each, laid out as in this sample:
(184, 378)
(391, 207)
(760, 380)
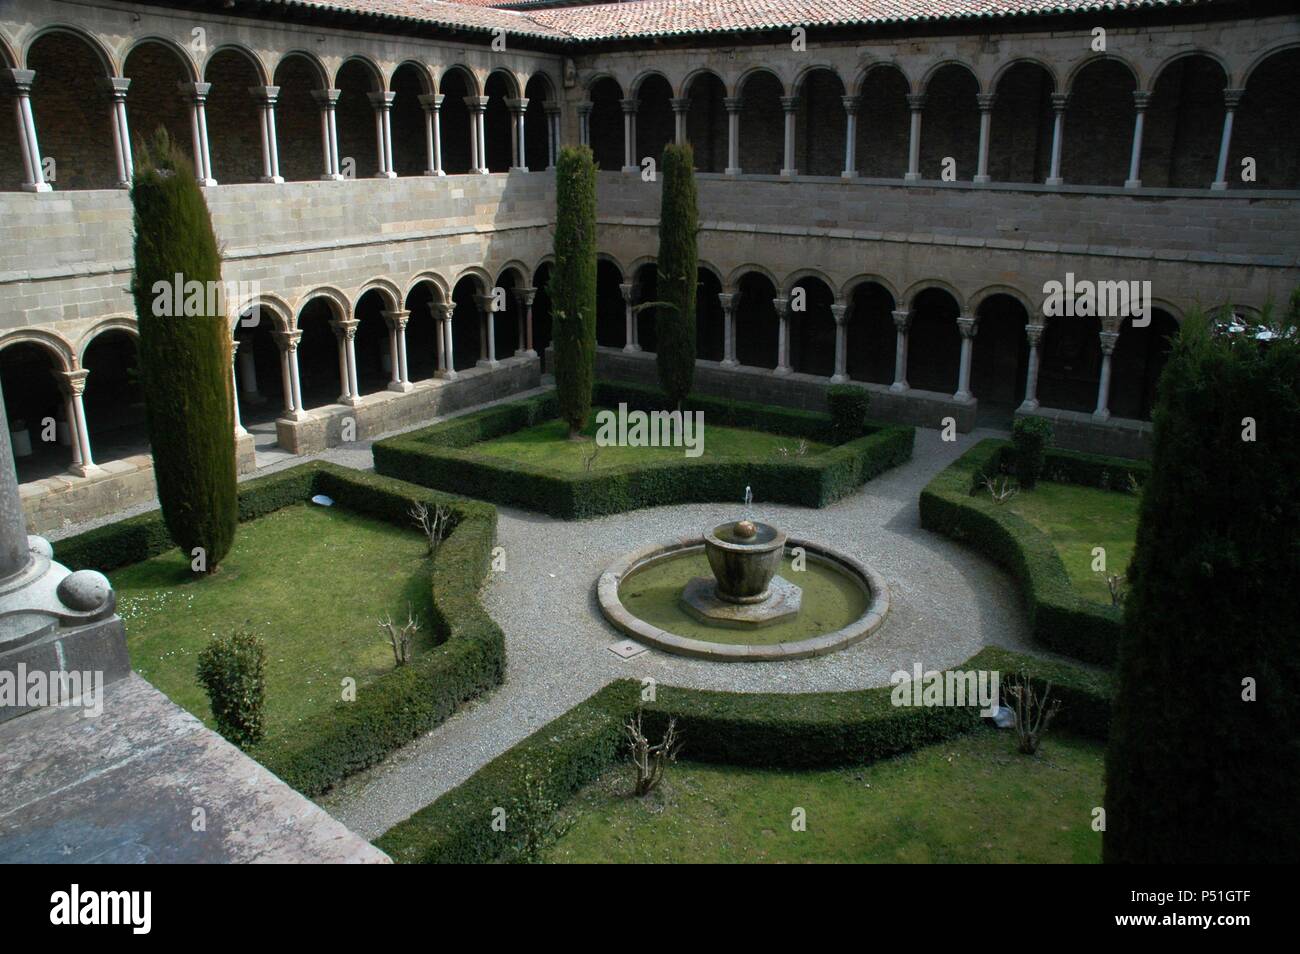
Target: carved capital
(1034, 333)
(902, 319)
(967, 326)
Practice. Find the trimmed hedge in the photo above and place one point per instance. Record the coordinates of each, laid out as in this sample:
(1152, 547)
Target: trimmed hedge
(774, 730)
(442, 456)
(954, 504)
(401, 704)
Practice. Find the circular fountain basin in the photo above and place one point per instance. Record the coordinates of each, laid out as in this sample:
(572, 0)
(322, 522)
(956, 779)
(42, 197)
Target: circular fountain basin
(838, 601)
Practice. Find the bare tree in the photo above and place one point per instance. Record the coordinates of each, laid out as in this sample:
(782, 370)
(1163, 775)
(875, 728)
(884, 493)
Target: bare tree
(1116, 583)
(590, 459)
(1001, 490)
(1033, 714)
(433, 524)
(401, 637)
(649, 760)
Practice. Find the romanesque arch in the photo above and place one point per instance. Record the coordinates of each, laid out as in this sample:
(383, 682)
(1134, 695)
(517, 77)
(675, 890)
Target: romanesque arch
(302, 81)
(706, 120)
(870, 333)
(457, 85)
(883, 123)
(819, 123)
(762, 124)
(358, 79)
(234, 115)
(1020, 140)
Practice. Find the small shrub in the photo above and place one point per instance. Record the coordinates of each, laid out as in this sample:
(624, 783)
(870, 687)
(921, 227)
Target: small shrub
(232, 670)
(540, 824)
(402, 636)
(848, 406)
(651, 761)
(433, 524)
(1033, 714)
(1029, 439)
(1000, 490)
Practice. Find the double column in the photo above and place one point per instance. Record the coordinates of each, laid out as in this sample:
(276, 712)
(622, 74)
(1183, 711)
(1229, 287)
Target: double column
(196, 96)
(782, 306)
(1108, 341)
(400, 379)
(477, 133)
(382, 103)
(116, 86)
(728, 302)
(632, 336)
(630, 164)
(966, 326)
(20, 81)
(916, 104)
(733, 104)
(985, 103)
(1034, 334)
(432, 103)
(680, 105)
(518, 143)
(552, 111)
(790, 107)
(902, 323)
(444, 354)
(345, 333)
(584, 123)
(266, 97)
(1231, 100)
(487, 331)
(328, 100)
(73, 386)
(526, 295)
(1059, 102)
(289, 376)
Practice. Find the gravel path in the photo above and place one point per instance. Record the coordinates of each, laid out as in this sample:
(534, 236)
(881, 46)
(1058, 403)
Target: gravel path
(947, 603)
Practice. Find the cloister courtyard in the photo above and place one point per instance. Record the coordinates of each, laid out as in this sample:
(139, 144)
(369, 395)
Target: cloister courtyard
(649, 432)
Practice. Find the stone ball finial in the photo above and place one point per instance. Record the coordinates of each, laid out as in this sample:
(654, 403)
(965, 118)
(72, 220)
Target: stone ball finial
(40, 546)
(746, 530)
(85, 590)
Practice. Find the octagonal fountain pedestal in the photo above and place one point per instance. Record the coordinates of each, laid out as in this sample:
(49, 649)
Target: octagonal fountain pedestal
(745, 610)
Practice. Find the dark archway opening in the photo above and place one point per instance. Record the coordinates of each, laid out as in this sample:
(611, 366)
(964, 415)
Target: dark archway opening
(421, 332)
(234, 118)
(1020, 138)
(710, 323)
(455, 125)
(1264, 126)
(605, 124)
(706, 122)
(1183, 126)
(468, 345)
(1098, 140)
(884, 124)
(820, 124)
(611, 315)
(33, 398)
(500, 150)
(537, 142)
(319, 366)
(1070, 366)
(871, 334)
(373, 354)
(410, 146)
(654, 118)
(762, 124)
(757, 326)
(542, 332)
(933, 342)
(812, 331)
(950, 124)
(258, 376)
(71, 112)
(1139, 359)
(355, 119)
(1000, 355)
(646, 289)
(114, 400)
(297, 120)
(154, 98)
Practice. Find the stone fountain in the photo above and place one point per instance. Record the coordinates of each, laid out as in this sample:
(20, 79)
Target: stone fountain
(744, 590)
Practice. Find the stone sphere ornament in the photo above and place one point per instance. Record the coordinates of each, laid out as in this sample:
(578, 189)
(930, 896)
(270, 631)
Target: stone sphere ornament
(745, 529)
(85, 590)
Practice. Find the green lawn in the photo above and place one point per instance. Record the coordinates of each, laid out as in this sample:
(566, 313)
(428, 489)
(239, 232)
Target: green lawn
(545, 445)
(971, 799)
(1077, 519)
(311, 581)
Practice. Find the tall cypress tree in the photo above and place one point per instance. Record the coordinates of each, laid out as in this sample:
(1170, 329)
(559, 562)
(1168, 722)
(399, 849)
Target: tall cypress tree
(678, 275)
(185, 359)
(1203, 763)
(573, 285)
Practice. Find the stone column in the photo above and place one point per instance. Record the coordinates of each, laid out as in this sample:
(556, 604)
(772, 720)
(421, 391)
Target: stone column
(552, 133)
(394, 371)
(74, 386)
(850, 137)
(902, 322)
(234, 388)
(446, 356)
(117, 87)
(630, 337)
(345, 332)
(790, 106)
(488, 346)
(680, 105)
(839, 312)
(1108, 340)
(728, 302)
(527, 295)
(584, 123)
(782, 335)
(328, 100)
(985, 103)
(20, 81)
(1035, 334)
(518, 143)
(915, 103)
(732, 104)
(967, 326)
(382, 104)
(477, 143)
(432, 103)
(1231, 99)
(1141, 100)
(196, 96)
(397, 323)
(630, 164)
(1059, 102)
(266, 97)
(288, 342)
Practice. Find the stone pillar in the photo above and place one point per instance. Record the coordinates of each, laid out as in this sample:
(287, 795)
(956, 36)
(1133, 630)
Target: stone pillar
(446, 356)
(782, 335)
(630, 164)
(902, 322)
(15, 550)
(328, 100)
(1231, 99)
(488, 346)
(915, 103)
(527, 295)
(288, 342)
(266, 97)
(394, 371)
(432, 103)
(20, 81)
(850, 137)
(196, 96)
(397, 324)
(74, 386)
(839, 312)
(732, 105)
(382, 104)
(518, 143)
(1059, 102)
(345, 332)
(790, 106)
(967, 326)
(1141, 100)
(234, 388)
(117, 87)
(1035, 335)
(985, 103)
(1108, 340)
(680, 105)
(477, 136)
(584, 123)
(552, 133)
(630, 338)
(728, 302)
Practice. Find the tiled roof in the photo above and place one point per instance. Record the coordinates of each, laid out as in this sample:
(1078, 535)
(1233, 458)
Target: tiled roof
(659, 18)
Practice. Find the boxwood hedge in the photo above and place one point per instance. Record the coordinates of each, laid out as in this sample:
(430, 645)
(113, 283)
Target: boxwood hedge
(400, 705)
(776, 730)
(443, 456)
(954, 504)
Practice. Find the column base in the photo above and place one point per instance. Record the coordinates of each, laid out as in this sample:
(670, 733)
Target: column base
(487, 363)
(912, 177)
(295, 416)
(729, 363)
(899, 387)
(401, 387)
(518, 168)
(631, 348)
(1219, 187)
(386, 175)
(789, 173)
(485, 172)
(849, 174)
(348, 400)
(963, 397)
(839, 378)
(781, 371)
(631, 170)
(445, 375)
(982, 180)
(82, 470)
(207, 183)
(37, 187)
(122, 184)
(1132, 183)
(732, 171)
(1055, 181)
(525, 353)
(1101, 416)
(272, 180)
(1028, 406)
(332, 177)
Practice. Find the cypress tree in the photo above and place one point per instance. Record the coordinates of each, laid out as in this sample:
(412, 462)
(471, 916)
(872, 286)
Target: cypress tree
(678, 275)
(573, 285)
(1203, 763)
(185, 359)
